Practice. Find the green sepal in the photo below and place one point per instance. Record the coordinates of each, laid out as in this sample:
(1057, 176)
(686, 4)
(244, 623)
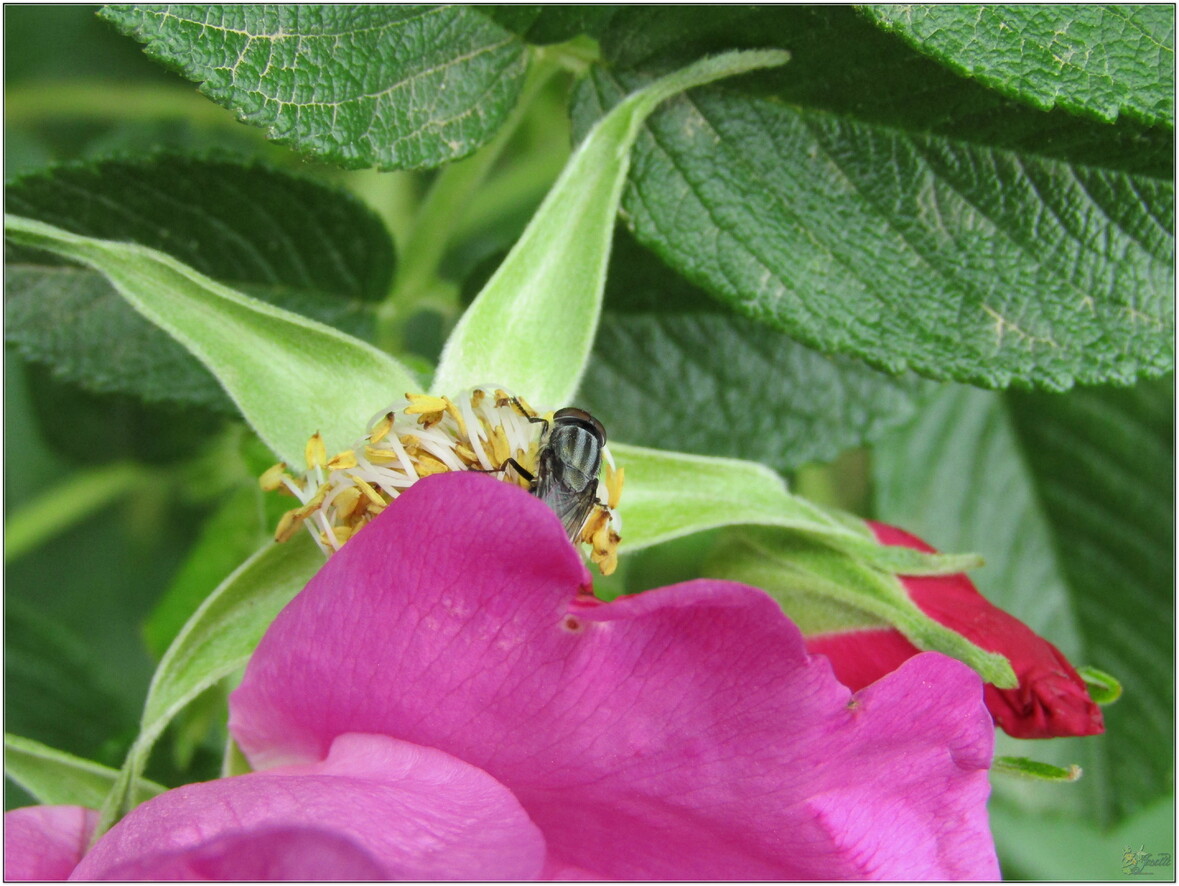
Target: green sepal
(1103, 688)
(289, 375)
(822, 590)
(532, 327)
(56, 778)
(1022, 767)
(216, 641)
(672, 494)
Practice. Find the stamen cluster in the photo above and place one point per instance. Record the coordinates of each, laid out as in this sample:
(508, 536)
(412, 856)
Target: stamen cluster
(424, 435)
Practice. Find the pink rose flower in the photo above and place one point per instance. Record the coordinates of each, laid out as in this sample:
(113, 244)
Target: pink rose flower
(446, 699)
(1051, 699)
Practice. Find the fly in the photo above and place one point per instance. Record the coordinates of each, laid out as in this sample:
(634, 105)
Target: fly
(568, 462)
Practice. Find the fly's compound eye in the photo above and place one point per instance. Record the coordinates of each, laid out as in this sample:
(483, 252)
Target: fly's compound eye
(571, 415)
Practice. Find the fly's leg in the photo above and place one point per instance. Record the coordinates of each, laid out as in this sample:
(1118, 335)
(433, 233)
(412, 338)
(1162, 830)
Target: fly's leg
(521, 471)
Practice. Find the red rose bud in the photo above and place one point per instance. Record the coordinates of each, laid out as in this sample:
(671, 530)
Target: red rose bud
(1051, 699)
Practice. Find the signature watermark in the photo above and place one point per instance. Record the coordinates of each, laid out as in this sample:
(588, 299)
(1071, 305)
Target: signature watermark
(1138, 861)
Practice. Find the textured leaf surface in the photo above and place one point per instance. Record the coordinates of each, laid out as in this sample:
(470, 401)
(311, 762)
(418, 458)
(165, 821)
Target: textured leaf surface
(670, 369)
(1091, 59)
(715, 384)
(56, 778)
(869, 202)
(400, 87)
(287, 240)
(1069, 497)
(288, 375)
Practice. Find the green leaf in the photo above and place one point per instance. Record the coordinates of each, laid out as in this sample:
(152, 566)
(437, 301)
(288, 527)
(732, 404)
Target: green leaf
(51, 686)
(1090, 59)
(541, 25)
(532, 326)
(824, 590)
(712, 384)
(216, 641)
(669, 368)
(1069, 499)
(287, 240)
(56, 778)
(399, 87)
(65, 318)
(293, 238)
(1022, 767)
(1102, 460)
(866, 201)
(289, 376)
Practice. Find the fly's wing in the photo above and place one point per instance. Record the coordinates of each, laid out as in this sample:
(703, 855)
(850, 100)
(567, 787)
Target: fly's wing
(573, 515)
(570, 505)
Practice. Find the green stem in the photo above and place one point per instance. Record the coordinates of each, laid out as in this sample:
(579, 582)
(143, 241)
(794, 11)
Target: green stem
(443, 209)
(68, 504)
(34, 104)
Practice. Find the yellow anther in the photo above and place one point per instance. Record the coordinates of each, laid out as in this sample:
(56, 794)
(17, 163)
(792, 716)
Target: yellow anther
(598, 519)
(315, 501)
(613, 485)
(334, 536)
(382, 428)
(342, 461)
(369, 493)
(429, 419)
(316, 452)
(466, 454)
(346, 502)
(454, 412)
(424, 404)
(607, 562)
(427, 465)
(377, 455)
(605, 548)
(273, 477)
(288, 525)
(500, 450)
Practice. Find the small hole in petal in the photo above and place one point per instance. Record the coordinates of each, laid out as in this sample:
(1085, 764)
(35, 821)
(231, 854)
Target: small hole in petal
(572, 625)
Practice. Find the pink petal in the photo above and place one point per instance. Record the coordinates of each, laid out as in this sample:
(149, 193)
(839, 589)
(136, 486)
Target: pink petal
(257, 854)
(45, 842)
(375, 803)
(681, 733)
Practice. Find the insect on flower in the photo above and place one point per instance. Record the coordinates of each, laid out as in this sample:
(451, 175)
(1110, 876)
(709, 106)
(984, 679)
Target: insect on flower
(569, 461)
(482, 431)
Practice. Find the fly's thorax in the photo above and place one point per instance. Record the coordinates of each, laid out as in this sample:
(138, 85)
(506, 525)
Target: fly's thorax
(572, 455)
